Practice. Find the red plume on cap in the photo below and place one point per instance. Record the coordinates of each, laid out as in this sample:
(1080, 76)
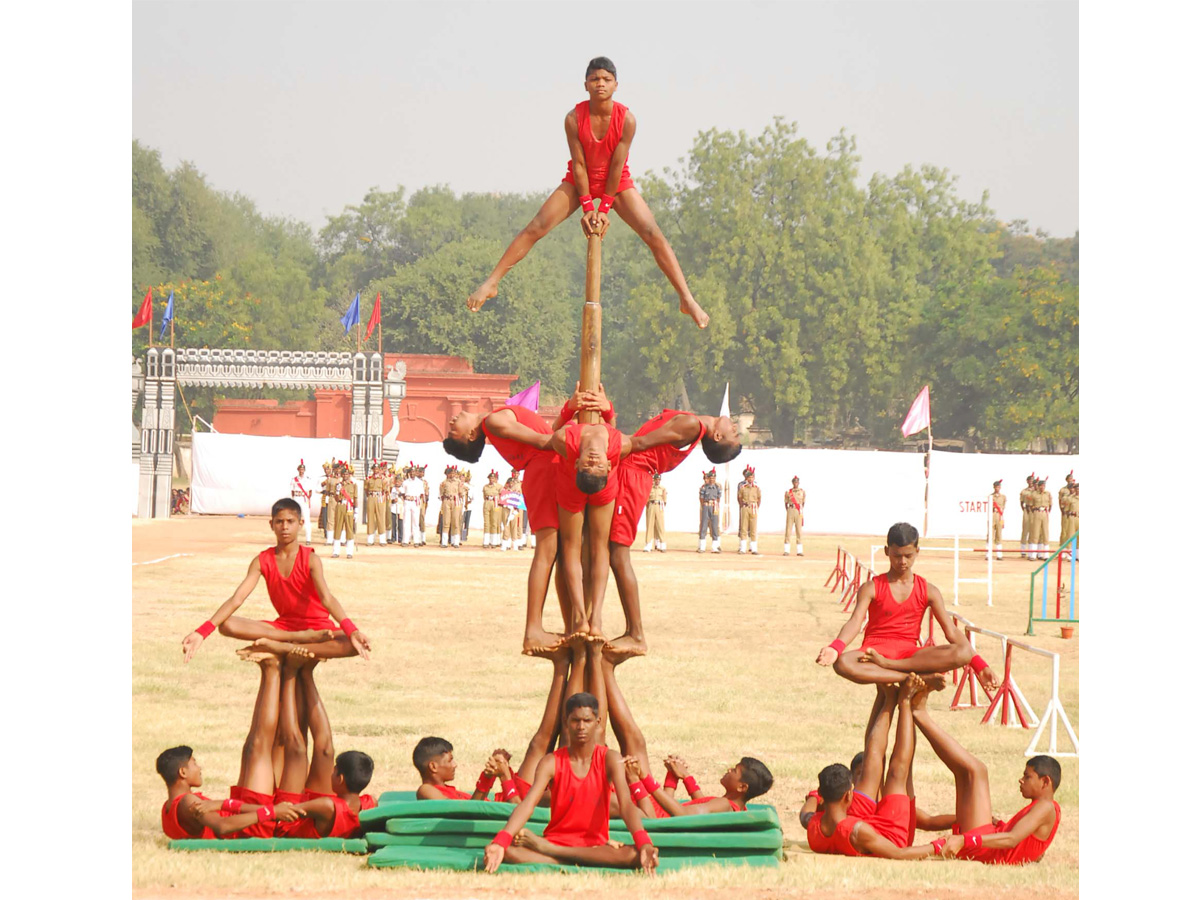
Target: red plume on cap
(301, 463)
(749, 470)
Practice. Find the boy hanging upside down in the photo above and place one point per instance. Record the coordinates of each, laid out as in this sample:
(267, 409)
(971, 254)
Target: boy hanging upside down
(599, 133)
(296, 585)
(893, 605)
(742, 781)
(250, 810)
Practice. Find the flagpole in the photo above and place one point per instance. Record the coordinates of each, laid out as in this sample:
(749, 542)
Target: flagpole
(925, 531)
(359, 332)
(150, 323)
(172, 331)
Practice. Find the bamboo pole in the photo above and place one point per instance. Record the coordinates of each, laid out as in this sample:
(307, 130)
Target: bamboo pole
(589, 349)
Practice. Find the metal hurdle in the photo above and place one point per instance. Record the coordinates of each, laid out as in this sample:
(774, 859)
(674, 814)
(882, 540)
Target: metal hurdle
(1054, 708)
(1070, 550)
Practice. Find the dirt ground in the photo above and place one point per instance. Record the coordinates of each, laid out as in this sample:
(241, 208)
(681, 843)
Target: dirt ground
(730, 672)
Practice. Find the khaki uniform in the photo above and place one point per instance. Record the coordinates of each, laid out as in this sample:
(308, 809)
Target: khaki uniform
(376, 509)
(511, 518)
(656, 532)
(1026, 519)
(793, 503)
(343, 529)
(329, 507)
(999, 502)
(447, 490)
(749, 496)
(424, 502)
(1039, 524)
(465, 491)
(1069, 509)
(491, 514)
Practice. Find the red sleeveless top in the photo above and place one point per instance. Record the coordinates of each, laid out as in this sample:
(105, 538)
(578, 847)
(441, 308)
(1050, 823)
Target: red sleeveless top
(295, 597)
(598, 154)
(570, 497)
(1029, 850)
(578, 806)
(170, 821)
(888, 620)
(451, 792)
(664, 457)
(515, 453)
(838, 842)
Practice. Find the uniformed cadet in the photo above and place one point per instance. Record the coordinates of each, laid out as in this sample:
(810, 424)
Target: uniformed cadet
(1066, 489)
(396, 506)
(347, 508)
(521, 535)
(424, 500)
(749, 496)
(328, 509)
(710, 512)
(793, 504)
(446, 490)
(411, 493)
(1026, 501)
(512, 516)
(454, 526)
(1039, 537)
(656, 508)
(1072, 514)
(491, 518)
(465, 487)
(301, 488)
(374, 489)
(999, 501)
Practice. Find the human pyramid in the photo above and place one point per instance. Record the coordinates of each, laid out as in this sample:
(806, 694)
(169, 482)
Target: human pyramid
(586, 484)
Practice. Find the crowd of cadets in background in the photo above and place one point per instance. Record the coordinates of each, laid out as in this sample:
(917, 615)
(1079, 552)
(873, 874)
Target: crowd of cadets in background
(1036, 505)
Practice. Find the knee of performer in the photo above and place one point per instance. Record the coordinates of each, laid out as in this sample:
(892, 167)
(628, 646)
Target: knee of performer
(841, 665)
(225, 629)
(537, 229)
(963, 654)
(293, 743)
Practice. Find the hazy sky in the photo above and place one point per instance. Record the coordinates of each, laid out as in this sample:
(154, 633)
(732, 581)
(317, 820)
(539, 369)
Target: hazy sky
(305, 106)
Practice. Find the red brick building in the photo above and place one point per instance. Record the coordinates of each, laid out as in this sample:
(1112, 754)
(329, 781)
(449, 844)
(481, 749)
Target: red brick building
(437, 388)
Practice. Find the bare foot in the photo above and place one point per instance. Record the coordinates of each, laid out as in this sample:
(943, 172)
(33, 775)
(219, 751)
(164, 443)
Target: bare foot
(254, 655)
(624, 647)
(935, 681)
(871, 655)
(689, 307)
(541, 643)
(526, 838)
(578, 641)
(294, 662)
(912, 685)
(282, 648)
(481, 295)
(312, 636)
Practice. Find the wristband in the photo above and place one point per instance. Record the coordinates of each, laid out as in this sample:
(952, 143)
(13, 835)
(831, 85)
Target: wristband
(813, 795)
(606, 203)
(608, 414)
(348, 627)
(938, 845)
(503, 838)
(637, 791)
(641, 839)
(587, 202)
(485, 782)
(650, 784)
(671, 781)
(232, 806)
(508, 788)
(206, 629)
(978, 664)
(266, 812)
(692, 787)
(973, 841)
(839, 646)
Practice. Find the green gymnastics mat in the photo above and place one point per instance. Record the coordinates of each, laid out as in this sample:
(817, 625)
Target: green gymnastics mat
(693, 842)
(759, 816)
(271, 845)
(467, 860)
(395, 796)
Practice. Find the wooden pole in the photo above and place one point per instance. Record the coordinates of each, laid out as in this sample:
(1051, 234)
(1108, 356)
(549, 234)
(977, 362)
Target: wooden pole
(928, 466)
(589, 349)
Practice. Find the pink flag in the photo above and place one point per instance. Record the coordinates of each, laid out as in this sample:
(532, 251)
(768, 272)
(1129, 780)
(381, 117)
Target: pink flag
(528, 398)
(918, 414)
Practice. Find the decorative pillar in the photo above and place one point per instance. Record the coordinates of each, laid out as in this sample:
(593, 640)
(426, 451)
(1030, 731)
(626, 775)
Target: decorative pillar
(158, 435)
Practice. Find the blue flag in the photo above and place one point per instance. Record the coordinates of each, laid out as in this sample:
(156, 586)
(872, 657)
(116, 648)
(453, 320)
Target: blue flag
(168, 315)
(351, 316)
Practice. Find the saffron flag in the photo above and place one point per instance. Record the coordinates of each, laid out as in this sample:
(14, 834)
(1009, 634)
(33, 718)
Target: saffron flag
(528, 398)
(143, 313)
(374, 314)
(918, 414)
(168, 315)
(351, 316)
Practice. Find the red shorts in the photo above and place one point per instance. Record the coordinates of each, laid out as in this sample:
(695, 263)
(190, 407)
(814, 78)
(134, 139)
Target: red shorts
(598, 189)
(258, 829)
(287, 623)
(891, 648)
(538, 487)
(633, 490)
(893, 818)
(861, 806)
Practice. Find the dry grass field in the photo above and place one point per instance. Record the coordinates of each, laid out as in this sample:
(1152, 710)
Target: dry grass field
(730, 673)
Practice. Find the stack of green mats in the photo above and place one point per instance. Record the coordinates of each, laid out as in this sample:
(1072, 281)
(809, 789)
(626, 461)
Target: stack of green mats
(451, 834)
(272, 845)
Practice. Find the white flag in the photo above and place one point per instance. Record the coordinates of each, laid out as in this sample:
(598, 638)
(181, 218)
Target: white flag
(918, 414)
(725, 402)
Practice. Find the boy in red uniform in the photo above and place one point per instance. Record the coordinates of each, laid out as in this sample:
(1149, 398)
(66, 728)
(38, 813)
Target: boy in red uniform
(977, 834)
(860, 805)
(600, 164)
(887, 832)
(250, 810)
(329, 792)
(894, 605)
(658, 446)
(296, 585)
(578, 776)
(433, 758)
(519, 435)
(743, 781)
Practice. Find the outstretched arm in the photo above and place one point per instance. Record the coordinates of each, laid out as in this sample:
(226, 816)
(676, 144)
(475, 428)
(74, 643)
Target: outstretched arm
(206, 817)
(1041, 816)
(616, 166)
(677, 430)
(828, 655)
(867, 840)
(937, 606)
(358, 640)
(192, 642)
(493, 855)
(630, 815)
(507, 426)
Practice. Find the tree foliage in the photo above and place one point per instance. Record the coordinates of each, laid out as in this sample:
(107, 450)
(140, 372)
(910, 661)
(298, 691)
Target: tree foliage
(832, 301)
